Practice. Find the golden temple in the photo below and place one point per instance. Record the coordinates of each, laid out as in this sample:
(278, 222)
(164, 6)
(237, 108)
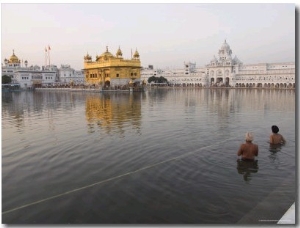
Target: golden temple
(108, 70)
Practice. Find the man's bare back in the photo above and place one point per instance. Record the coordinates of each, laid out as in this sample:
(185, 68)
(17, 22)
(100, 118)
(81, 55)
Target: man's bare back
(248, 151)
(275, 137)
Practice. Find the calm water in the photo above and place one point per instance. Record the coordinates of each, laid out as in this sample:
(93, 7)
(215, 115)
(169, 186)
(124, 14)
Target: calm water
(167, 156)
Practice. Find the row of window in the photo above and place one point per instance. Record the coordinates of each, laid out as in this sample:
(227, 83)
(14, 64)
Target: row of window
(270, 78)
(37, 77)
(107, 75)
(186, 79)
(220, 64)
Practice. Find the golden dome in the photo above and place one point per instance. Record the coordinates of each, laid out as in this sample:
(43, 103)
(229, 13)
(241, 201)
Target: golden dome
(107, 53)
(14, 58)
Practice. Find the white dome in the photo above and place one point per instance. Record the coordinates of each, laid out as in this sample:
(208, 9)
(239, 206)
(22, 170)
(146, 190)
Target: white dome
(225, 46)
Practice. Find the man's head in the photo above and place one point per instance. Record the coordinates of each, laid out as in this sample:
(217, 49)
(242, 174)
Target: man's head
(249, 137)
(275, 129)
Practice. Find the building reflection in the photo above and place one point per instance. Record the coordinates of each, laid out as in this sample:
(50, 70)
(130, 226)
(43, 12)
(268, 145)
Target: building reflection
(114, 112)
(247, 168)
(13, 109)
(225, 102)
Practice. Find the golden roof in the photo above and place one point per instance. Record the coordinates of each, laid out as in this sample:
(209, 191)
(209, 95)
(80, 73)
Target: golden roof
(107, 53)
(14, 58)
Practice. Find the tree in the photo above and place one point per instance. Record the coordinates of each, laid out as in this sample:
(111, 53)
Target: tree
(160, 79)
(6, 79)
(151, 79)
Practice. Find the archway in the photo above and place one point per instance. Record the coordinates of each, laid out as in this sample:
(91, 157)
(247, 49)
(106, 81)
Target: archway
(227, 81)
(107, 83)
(219, 80)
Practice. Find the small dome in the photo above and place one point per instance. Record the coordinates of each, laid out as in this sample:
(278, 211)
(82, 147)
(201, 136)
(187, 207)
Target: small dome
(87, 57)
(14, 58)
(119, 52)
(225, 46)
(214, 59)
(236, 60)
(136, 54)
(107, 53)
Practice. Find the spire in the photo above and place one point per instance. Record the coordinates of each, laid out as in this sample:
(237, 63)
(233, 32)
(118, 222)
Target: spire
(136, 54)
(119, 52)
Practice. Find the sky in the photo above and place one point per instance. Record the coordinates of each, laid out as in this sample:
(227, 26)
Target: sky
(166, 35)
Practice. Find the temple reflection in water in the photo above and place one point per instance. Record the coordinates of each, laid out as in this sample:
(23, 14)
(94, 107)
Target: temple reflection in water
(112, 111)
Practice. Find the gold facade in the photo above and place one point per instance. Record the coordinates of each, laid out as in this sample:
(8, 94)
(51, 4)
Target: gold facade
(108, 67)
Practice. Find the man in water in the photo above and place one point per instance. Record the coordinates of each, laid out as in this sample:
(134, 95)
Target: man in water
(248, 150)
(276, 138)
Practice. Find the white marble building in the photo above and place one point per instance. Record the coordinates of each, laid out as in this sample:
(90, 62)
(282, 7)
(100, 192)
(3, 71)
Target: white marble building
(35, 76)
(229, 72)
(68, 75)
(28, 76)
(11, 65)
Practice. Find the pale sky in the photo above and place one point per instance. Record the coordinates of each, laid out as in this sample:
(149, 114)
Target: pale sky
(166, 35)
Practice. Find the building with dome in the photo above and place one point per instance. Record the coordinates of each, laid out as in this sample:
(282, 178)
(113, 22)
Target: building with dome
(110, 70)
(221, 71)
(11, 65)
(28, 76)
(226, 71)
(35, 76)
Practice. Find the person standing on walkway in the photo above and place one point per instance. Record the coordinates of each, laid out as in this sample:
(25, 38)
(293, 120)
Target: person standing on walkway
(275, 137)
(248, 150)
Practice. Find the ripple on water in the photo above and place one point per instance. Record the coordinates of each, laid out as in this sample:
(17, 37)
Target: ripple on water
(171, 159)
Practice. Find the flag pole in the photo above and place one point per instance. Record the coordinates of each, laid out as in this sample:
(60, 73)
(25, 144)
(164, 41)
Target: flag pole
(49, 53)
(45, 56)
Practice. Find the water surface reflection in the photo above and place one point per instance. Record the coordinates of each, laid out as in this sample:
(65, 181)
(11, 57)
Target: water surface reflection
(167, 156)
(112, 111)
(247, 168)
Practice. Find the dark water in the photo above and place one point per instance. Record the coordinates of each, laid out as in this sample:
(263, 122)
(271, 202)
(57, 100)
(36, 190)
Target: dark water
(167, 156)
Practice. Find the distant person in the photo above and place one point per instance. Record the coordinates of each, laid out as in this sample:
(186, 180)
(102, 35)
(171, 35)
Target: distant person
(248, 150)
(275, 137)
